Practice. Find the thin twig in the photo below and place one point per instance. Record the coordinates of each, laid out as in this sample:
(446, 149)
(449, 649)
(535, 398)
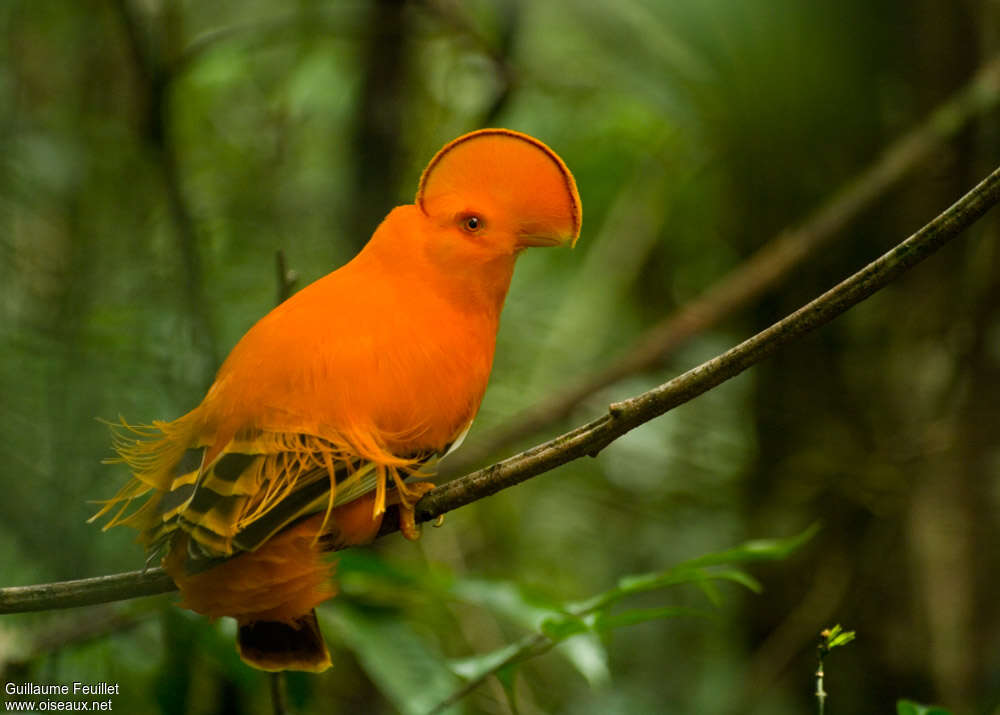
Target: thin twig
(287, 277)
(830, 638)
(590, 438)
(279, 693)
(759, 273)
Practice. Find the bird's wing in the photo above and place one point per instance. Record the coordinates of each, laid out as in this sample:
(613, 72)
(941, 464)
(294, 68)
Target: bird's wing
(253, 489)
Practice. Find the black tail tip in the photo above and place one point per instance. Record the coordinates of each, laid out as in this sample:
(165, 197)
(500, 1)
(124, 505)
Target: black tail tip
(276, 645)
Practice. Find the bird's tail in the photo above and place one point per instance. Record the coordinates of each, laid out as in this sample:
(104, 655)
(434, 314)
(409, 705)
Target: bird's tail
(277, 645)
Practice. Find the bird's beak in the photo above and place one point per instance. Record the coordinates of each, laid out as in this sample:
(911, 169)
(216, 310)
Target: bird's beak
(531, 240)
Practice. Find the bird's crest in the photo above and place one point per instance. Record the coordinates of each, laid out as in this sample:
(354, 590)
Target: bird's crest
(514, 168)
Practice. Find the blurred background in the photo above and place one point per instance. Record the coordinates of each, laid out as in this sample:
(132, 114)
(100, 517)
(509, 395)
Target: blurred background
(156, 154)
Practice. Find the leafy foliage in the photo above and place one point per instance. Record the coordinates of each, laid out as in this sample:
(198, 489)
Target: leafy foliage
(414, 676)
(834, 638)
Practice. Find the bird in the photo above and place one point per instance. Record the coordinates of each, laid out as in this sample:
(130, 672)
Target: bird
(341, 401)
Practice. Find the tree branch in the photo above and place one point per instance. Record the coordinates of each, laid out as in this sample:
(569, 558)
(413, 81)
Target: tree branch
(590, 438)
(624, 416)
(287, 277)
(85, 591)
(760, 272)
(279, 693)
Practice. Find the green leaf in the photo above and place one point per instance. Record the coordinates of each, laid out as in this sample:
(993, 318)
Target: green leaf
(580, 646)
(411, 674)
(842, 639)
(534, 612)
(559, 629)
(634, 616)
(908, 707)
(507, 599)
(475, 666)
(572, 627)
(507, 676)
(835, 637)
(590, 658)
(711, 591)
(682, 574)
(637, 583)
(757, 550)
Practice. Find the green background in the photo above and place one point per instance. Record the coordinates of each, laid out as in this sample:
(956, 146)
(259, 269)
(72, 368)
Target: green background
(155, 155)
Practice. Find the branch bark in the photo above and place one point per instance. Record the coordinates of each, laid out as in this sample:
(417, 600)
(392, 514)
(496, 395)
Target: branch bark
(760, 272)
(85, 591)
(592, 437)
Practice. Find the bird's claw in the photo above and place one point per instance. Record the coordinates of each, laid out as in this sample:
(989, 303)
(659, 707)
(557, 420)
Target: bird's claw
(408, 525)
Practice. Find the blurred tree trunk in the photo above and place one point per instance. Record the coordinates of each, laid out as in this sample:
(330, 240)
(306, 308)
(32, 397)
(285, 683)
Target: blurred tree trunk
(946, 486)
(153, 53)
(877, 426)
(381, 120)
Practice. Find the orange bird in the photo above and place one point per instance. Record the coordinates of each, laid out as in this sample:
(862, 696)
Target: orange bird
(333, 402)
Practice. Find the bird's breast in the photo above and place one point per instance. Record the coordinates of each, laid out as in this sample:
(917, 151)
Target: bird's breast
(410, 375)
(421, 383)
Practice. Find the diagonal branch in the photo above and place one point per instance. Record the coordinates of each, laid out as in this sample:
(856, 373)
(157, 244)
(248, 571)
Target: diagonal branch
(624, 416)
(760, 272)
(591, 438)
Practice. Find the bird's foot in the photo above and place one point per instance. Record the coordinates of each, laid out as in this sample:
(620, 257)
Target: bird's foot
(409, 495)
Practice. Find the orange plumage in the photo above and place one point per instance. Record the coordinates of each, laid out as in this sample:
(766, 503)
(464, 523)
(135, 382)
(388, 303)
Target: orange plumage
(327, 406)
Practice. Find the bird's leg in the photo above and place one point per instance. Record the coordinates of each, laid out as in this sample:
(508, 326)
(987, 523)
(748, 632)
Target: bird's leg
(408, 494)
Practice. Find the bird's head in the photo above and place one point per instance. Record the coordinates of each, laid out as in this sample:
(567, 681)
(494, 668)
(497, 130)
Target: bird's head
(500, 191)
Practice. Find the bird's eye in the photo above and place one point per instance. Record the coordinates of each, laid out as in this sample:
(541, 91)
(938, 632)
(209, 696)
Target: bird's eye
(472, 224)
